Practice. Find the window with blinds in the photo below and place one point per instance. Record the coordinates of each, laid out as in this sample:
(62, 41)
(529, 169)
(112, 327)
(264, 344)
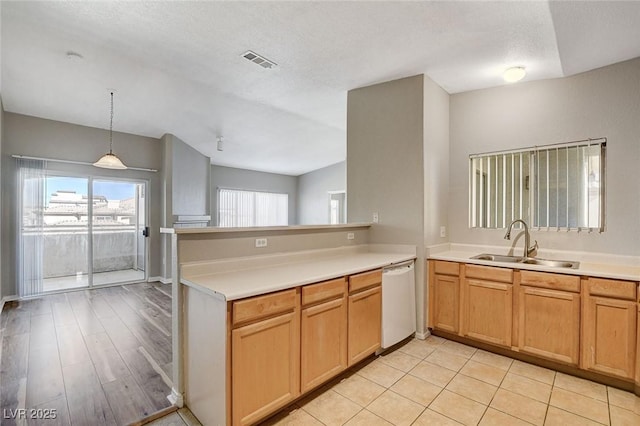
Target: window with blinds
(557, 187)
(238, 208)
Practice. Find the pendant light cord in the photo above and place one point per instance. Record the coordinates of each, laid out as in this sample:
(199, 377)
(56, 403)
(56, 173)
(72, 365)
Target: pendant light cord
(111, 128)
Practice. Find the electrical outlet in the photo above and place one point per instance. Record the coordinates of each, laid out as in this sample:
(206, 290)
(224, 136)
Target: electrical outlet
(375, 217)
(351, 236)
(261, 242)
(443, 231)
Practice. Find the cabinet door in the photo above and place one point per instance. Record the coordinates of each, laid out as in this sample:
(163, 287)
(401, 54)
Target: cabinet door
(265, 367)
(609, 336)
(445, 303)
(323, 342)
(550, 324)
(488, 311)
(365, 323)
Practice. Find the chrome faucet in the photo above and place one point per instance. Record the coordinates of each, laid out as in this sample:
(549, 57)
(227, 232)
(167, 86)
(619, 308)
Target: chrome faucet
(527, 250)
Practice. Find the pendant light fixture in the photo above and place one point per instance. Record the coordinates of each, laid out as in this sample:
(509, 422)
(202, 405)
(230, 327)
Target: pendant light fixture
(109, 160)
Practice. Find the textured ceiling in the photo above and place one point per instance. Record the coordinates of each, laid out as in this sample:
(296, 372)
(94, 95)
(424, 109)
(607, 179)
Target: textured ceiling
(177, 66)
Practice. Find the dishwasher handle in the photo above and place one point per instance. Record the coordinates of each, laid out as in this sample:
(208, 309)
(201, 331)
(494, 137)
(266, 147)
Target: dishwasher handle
(398, 268)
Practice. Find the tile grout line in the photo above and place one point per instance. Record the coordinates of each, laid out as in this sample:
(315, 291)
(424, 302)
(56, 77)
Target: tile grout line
(443, 388)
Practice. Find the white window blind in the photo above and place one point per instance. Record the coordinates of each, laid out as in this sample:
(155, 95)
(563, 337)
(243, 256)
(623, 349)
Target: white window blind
(557, 187)
(238, 208)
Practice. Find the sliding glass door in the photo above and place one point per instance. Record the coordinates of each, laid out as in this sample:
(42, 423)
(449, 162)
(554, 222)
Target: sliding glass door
(65, 235)
(80, 231)
(117, 223)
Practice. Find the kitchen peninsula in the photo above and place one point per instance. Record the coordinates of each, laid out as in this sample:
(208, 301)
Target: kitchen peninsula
(246, 321)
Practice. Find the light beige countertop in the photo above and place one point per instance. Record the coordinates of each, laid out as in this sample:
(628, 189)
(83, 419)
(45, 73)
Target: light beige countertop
(238, 278)
(591, 264)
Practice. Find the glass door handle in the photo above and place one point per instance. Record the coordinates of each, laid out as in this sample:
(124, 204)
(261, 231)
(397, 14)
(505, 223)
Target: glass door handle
(145, 231)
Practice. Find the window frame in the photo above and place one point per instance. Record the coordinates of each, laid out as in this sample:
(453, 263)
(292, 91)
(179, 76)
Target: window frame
(532, 183)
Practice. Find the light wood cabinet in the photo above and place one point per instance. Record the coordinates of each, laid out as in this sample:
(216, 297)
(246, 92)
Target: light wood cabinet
(284, 344)
(444, 296)
(586, 322)
(365, 315)
(265, 355)
(549, 324)
(638, 348)
(609, 321)
(488, 304)
(323, 332)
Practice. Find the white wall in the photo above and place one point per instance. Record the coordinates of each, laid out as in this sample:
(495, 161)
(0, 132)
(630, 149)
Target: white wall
(600, 103)
(32, 136)
(232, 178)
(313, 192)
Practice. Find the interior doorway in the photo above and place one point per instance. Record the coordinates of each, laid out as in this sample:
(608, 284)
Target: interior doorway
(337, 207)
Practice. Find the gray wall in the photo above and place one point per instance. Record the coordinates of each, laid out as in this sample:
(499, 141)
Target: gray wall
(313, 192)
(385, 162)
(436, 163)
(191, 174)
(38, 137)
(185, 179)
(2, 289)
(600, 103)
(232, 178)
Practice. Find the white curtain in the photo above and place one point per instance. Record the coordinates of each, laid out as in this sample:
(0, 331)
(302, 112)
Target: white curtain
(237, 208)
(31, 203)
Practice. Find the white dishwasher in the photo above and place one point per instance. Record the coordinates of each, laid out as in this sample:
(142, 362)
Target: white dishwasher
(398, 303)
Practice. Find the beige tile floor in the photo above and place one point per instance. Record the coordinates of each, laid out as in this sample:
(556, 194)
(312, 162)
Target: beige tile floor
(440, 382)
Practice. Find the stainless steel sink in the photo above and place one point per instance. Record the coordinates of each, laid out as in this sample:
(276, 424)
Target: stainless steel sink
(498, 258)
(527, 260)
(552, 263)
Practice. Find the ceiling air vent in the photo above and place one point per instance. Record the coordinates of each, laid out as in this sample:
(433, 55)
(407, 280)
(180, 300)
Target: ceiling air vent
(257, 59)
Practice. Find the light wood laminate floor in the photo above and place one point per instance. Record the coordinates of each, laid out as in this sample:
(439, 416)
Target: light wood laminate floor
(440, 382)
(98, 357)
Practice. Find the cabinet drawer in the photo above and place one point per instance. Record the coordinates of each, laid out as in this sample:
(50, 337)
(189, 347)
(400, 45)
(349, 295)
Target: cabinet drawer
(612, 288)
(549, 280)
(263, 306)
(446, 268)
(322, 291)
(364, 280)
(489, 273)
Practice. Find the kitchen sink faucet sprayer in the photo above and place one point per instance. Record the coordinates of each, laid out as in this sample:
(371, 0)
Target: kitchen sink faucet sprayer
(527, 250)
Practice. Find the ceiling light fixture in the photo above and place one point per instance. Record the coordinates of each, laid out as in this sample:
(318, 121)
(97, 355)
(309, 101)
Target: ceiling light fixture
(109, 160)
(514, 74)
(220, 143)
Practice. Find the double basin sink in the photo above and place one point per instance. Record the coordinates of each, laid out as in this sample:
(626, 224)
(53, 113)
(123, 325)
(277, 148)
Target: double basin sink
(528, 260)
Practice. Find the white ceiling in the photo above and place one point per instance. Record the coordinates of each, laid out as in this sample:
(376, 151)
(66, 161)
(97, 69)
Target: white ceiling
(177, 66)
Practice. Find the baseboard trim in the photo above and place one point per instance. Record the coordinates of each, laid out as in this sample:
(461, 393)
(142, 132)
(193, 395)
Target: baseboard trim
(176, 398)
(159, 279)
(7, 299)
(423, 336)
